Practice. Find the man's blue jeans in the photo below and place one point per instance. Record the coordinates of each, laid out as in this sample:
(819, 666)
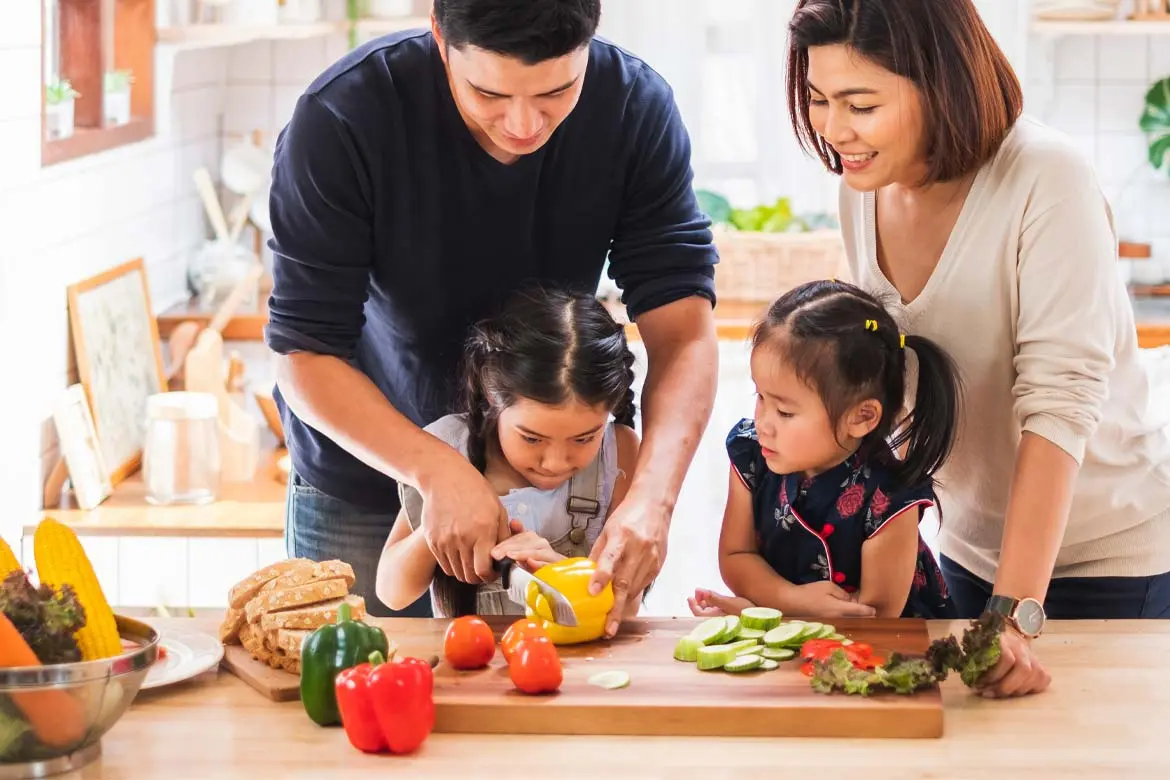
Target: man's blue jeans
(320, 527)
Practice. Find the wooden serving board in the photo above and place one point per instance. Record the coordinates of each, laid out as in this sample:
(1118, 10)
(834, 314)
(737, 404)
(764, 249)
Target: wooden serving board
(276, 684)
(667, 697)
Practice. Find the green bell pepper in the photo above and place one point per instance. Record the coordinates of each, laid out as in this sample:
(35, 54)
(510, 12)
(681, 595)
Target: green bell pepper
(329, 650)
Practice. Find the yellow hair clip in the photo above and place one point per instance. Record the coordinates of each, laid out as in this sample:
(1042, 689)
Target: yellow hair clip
(871, 325)
(902, 340)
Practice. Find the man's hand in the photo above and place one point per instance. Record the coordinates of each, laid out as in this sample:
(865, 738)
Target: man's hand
(461, 519)
(1018, 672)
(629, 552)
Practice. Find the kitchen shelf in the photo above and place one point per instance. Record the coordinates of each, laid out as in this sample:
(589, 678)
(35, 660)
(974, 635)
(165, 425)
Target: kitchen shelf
(243, 326)
(1056, 29)
(209, 36)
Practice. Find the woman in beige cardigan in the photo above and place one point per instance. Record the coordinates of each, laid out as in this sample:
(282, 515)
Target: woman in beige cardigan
(987, 232)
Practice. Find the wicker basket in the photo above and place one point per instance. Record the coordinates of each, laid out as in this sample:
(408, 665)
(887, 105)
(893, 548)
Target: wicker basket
(759, 267)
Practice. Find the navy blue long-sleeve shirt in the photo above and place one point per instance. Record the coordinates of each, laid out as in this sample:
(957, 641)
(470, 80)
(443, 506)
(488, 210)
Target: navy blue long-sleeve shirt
(394, 231)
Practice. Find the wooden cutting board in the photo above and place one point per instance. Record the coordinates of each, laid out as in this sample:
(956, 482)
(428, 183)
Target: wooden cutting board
(667, 697)
(276, 684)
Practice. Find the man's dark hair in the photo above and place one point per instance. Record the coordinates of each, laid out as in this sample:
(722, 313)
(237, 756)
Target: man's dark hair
(531, 31)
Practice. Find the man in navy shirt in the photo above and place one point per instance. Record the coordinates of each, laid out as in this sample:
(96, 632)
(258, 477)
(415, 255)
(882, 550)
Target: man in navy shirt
(421, 179)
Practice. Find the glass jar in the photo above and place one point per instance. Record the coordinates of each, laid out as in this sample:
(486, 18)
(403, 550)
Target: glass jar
(180, 459)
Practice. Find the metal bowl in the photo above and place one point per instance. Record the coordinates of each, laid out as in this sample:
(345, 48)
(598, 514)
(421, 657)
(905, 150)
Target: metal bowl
(102, 690)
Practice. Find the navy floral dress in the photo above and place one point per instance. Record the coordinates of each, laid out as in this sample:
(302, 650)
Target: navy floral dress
(812, 529)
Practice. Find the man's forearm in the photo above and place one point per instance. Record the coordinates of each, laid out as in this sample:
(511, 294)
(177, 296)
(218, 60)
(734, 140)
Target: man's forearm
(676, 405)
(1037, 514)
(335, 398)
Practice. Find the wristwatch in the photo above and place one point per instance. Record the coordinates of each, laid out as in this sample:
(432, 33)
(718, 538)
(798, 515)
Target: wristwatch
(1026, 615)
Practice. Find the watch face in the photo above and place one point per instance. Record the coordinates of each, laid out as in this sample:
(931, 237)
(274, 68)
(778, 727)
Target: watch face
(1030, 616)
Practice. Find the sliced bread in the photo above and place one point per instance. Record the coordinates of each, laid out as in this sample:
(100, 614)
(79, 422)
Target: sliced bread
(295, 597)
(244, 590)
(303, 575)
(312, 617)
(229, 629)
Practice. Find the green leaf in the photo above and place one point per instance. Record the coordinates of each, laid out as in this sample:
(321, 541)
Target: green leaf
(1156, 116)
(1160, 152)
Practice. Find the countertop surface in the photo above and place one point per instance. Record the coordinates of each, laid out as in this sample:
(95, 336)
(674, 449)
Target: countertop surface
(1106, 716)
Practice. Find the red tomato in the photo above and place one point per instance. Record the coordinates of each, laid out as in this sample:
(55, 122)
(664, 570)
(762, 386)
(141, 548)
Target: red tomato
(535, 666)
(519, 630)
(468, 643)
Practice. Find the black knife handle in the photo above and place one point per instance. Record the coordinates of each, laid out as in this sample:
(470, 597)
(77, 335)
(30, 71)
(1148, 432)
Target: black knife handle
(504, 567)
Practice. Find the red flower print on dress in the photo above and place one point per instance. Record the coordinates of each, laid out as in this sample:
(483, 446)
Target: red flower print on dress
(919, 578)
(849, 502)
(879, 503)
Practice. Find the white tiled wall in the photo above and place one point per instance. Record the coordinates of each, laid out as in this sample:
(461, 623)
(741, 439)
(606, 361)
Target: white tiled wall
(1099, 91)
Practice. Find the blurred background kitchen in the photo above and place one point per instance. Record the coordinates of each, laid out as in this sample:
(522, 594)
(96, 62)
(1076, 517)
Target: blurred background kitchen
(135, 139)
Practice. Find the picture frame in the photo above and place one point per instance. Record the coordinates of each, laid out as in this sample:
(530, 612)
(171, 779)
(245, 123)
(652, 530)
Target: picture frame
(83, 457)
(119, 360)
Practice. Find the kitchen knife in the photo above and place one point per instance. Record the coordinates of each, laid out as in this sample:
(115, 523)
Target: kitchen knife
(515, 579)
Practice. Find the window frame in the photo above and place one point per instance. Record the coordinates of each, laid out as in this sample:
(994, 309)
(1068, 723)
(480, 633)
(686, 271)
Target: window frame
(95, 36)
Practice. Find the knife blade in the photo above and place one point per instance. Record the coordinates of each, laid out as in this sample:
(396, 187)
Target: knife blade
(515, 579)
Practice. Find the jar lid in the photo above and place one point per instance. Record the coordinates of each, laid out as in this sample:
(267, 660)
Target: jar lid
(182, 405)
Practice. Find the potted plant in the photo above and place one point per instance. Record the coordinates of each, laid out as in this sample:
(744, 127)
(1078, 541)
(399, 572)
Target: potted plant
(116, 96)
(1155, 122)
(59, 109)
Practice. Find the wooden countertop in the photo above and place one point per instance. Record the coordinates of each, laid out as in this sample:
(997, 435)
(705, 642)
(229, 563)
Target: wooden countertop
(1105, 716)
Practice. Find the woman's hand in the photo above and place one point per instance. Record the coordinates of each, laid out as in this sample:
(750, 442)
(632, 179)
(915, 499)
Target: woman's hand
(708, 603)
(1018, 672)
(527, 548)
(825, 599)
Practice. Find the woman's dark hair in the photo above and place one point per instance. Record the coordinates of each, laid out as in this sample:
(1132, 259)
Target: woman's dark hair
(970, 95)
(843, 343)
(549, 346)
(531, 31)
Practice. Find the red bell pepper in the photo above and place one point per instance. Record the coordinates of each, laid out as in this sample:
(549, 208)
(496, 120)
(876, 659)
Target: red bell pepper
(387, 705)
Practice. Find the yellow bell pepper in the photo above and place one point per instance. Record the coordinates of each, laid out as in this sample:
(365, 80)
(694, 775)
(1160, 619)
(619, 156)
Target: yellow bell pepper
(571, 577)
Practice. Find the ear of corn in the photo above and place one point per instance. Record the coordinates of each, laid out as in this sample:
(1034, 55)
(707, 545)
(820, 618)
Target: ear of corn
(8, 562)
(61, 560)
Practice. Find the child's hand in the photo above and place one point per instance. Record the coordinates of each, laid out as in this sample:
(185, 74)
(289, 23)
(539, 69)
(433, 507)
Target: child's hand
(825, 599)
(527, 548)
(707, 603)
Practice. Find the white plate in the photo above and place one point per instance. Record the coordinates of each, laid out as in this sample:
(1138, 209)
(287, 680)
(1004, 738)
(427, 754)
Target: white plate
(189, 653)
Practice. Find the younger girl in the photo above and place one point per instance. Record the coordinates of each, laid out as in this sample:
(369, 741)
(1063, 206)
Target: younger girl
(822, 516)
(541, 381)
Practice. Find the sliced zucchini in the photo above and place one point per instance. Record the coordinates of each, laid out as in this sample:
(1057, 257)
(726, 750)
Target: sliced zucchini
(610, 680)
(760, 618)
(768, 664)
(715, 656)
(784, 634)
(731, 629)
(687, 649)
(709, 631)
(778, 653)
(744, 663)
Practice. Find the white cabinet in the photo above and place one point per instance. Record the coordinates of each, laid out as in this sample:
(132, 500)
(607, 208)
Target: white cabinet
(171, 572)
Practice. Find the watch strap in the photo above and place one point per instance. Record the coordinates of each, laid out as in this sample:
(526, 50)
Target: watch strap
(1002, 605)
